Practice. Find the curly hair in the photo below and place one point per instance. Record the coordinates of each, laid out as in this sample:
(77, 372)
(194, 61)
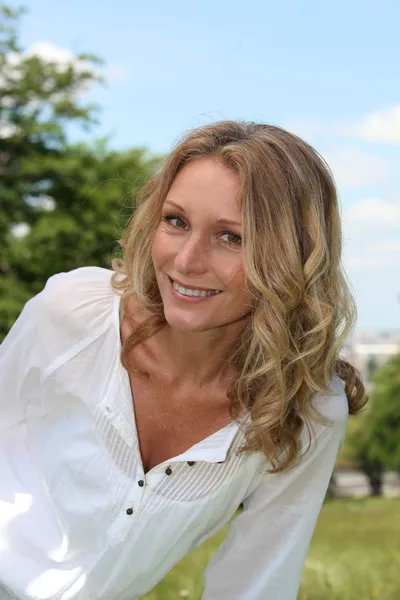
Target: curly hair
(292, 246)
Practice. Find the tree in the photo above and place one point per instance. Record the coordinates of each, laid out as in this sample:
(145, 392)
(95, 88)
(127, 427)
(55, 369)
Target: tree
(38, 98)
(372, 443)
(381, 437)
(69, 200)
(95, 192)
(372, 366)
(354, 453)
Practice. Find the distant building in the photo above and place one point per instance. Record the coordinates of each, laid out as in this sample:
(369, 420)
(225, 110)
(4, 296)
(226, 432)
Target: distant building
(368, 350)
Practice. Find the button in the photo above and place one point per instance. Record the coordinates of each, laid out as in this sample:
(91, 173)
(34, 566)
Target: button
(129, 511)
(140, 483)
(168, 471)
(191, 463)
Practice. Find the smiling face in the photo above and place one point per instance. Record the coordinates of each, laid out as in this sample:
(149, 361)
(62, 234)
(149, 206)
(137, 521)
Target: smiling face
(197, 251)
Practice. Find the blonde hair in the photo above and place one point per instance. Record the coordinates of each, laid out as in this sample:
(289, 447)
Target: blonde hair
(304, 309)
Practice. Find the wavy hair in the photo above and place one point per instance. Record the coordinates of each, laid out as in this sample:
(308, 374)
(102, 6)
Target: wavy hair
(292, 246)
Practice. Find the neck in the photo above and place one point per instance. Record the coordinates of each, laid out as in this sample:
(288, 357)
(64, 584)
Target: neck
(182, 358)
(202, 357)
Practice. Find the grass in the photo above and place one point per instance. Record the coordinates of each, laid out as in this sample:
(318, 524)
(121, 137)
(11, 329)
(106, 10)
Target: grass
(354, 555)
(355, 552)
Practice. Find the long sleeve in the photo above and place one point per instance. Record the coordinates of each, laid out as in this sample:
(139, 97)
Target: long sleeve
(20, 366)
(263, 554)
(71, 307)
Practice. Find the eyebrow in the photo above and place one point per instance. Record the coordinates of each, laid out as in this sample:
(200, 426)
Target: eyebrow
(219, 221)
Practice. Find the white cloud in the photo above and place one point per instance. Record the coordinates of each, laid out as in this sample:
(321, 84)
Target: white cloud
(371, 230)
(59, 57)
(379, 126)
(384, 247)
(353, 168)
(56, 55)
(49, 53)
(365, 260)
(62, 59)
(373, 212)
(378, 255)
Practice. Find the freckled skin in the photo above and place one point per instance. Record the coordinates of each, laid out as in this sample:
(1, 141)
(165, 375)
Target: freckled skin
(196, 250)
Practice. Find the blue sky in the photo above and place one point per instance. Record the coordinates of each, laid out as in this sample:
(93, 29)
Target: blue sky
(325, 70)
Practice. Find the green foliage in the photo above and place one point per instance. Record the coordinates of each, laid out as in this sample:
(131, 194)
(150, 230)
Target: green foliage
(381, 436)
(354, 555)
(372, 441)
(348, 455)
(37, 99)
(372, 367)
(8, 20)
(90, 211)
(72, 199)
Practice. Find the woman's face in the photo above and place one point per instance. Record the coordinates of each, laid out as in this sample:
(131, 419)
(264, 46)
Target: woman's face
(197, 250)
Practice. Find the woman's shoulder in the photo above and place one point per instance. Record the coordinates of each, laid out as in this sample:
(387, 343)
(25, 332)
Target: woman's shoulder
(80, 280)
(80, 300)
(332, 407)
(73, 310)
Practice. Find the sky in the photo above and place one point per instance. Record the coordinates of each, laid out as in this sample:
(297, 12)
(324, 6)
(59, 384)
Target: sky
(327, 71)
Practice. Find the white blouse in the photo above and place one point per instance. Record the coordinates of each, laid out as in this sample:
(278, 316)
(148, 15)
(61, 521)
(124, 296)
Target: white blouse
(79, 518)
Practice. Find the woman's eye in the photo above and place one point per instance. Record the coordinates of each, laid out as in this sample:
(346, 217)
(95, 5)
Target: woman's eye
(232, 238)
(179, 224)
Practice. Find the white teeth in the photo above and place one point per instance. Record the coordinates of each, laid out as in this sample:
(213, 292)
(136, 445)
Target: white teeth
(189, 292)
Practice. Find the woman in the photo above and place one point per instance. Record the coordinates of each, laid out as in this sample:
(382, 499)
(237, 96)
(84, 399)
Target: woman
(228, 310)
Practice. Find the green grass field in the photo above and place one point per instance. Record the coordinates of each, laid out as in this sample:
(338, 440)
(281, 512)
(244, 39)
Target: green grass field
(354, 555)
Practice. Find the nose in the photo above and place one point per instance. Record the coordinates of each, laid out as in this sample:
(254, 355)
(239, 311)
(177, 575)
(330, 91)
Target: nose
(193, 256)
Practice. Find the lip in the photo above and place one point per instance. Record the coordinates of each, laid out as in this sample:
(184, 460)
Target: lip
(177, 295)
(191, 287)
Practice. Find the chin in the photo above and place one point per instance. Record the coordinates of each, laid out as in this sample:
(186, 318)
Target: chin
(187, 324)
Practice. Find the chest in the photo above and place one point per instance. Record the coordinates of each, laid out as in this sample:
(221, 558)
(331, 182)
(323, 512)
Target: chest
(169, 422)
